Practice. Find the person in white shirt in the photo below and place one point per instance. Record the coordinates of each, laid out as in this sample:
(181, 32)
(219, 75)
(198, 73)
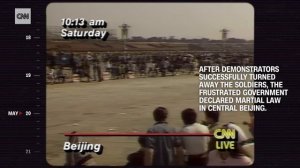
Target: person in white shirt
(196, 147)
(247, 147)
(241, 134)
(232, 157)
(228, 158)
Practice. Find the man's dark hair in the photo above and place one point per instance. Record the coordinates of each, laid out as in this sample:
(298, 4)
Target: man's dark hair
(214, 115)
(160, 114)
(189, 116)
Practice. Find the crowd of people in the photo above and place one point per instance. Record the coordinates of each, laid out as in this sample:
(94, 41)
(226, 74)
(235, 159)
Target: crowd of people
(188, 150)
(91, 66)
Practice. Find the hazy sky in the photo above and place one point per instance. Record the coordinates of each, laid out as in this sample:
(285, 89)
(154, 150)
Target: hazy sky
(189, 20)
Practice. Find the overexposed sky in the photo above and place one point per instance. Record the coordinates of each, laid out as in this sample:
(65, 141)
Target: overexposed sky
(188, 20)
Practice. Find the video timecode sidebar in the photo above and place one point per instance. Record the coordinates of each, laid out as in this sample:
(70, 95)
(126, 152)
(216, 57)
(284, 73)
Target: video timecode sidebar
(22, 68)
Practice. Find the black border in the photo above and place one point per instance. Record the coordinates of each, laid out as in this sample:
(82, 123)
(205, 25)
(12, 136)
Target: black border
(277, 32)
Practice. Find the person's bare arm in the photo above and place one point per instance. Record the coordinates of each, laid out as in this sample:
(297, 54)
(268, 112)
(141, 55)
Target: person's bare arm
(148, 159)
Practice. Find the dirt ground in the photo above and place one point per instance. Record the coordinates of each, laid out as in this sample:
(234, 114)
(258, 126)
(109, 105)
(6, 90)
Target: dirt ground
(119, 106)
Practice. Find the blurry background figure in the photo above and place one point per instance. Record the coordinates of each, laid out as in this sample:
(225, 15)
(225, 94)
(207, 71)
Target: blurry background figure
(97, 73)
(163, 67)
(122, 71)
(60, 75)
(56, 75)
(115, 71)
(76, 158)
(51, 76)
(90, 61)
(85, 69)
(142, 69)
(108, 66)
(212, 122)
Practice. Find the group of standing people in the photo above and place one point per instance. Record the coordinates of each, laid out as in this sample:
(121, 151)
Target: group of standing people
(147, 68)
(189, 150)
(182, 150)
(89, 67)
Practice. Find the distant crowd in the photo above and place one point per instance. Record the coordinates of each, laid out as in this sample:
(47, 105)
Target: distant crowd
(91, 66)
(185, 150)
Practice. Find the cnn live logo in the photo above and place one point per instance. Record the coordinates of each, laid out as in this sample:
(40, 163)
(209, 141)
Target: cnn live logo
(22, 15)
(226, 139)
